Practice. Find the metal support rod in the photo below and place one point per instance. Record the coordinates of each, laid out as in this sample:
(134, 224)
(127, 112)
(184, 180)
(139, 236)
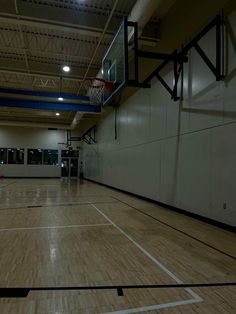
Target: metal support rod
(223, 44)
(136, 60)
(126, 61)
(174, 96)
(218, 48)
(115, 123)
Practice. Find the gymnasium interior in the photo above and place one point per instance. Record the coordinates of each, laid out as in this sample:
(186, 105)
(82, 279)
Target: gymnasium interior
(117, 156)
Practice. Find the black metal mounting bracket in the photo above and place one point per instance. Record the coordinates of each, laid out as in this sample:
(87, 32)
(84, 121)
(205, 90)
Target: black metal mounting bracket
(179, 58)
(89, 137)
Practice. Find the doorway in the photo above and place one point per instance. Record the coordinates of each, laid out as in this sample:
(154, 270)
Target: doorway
(69, 167)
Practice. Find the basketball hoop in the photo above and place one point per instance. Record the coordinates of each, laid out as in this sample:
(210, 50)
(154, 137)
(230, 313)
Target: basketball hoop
(97, 88)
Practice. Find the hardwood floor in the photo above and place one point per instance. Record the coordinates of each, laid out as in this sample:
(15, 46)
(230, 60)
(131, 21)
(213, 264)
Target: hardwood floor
(59, 233)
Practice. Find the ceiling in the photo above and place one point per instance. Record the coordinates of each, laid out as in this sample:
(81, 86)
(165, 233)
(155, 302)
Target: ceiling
(38, 37)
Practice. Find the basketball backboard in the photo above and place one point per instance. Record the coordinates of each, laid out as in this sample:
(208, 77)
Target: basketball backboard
(114, 63)
(118, 60)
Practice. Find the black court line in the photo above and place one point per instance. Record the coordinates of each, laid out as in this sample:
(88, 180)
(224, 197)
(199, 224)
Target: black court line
(71, 204)
(57, 205)
(23, 292)
(176, 229)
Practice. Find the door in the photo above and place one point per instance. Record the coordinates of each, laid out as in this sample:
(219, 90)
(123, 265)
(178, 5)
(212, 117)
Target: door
(65, 167)
(73, 167)
(69, 167)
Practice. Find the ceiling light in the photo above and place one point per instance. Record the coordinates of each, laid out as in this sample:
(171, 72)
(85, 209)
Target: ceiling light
(58, 114)
(66, 68)
(60, 98)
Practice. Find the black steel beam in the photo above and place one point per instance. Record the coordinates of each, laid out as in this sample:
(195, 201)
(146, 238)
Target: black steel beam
(163, 82)
(75, 139)
(181, 57)
(160, 67)
(196, 39)
(153, 55)
(134, 83)
(206, 59)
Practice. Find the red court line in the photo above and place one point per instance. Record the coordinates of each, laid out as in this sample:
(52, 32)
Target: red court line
(182, 232)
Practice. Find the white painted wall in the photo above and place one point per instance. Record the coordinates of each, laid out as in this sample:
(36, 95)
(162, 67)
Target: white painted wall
(179, 153)
(18, 137)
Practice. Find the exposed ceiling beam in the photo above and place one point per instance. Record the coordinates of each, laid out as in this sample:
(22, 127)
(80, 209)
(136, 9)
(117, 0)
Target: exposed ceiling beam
(46, 54)
(22, 39)
(48, 75)
(58, 26)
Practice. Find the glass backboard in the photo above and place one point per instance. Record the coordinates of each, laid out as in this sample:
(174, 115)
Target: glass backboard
(114, 64)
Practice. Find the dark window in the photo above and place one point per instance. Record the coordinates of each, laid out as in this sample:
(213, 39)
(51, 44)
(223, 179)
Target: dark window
(15, 156)
(35, 156)
(3, 155)
(50, 157)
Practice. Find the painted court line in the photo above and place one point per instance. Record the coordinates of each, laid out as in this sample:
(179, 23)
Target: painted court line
(154, 307)
(54, 227)
(178, 230)
(26, 207)
(195, 297)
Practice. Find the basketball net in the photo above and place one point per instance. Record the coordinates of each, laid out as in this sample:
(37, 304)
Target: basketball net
(97, 88)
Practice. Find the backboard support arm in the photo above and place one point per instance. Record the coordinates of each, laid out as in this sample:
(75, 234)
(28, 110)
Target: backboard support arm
(179, 58)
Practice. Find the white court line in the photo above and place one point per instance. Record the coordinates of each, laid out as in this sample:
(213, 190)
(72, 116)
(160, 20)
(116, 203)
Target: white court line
(54, 227)
(195, 297)
(154, 307)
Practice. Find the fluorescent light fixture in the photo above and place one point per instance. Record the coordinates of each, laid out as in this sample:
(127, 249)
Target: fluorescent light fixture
(60, 99)
(66, 68)
(58, 114)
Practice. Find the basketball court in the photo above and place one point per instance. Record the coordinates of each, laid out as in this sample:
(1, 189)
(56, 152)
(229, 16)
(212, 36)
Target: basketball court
(70, 245)
(66, 235)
